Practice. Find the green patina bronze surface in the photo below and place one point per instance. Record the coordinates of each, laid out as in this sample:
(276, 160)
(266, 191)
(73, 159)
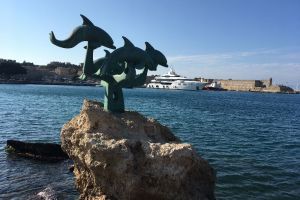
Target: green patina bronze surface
(117, 69)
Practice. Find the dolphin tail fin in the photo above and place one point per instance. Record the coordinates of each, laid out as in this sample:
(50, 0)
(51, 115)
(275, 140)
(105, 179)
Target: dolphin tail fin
(52, 37)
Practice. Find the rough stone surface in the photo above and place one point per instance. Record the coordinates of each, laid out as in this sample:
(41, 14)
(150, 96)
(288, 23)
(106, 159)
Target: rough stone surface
(128, 156)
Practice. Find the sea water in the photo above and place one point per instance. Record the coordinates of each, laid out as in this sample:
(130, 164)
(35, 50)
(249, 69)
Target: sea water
(252, 140)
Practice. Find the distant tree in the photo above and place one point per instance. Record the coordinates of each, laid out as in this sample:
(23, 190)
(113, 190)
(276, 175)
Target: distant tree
(27, 63)
(11, 67)
(75, 78)
(55, 64)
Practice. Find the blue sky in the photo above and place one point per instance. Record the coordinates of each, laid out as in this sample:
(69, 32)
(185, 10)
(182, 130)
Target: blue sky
(238, 39)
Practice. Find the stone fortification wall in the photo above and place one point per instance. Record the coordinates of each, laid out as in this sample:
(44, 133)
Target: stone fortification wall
(240, 85)
(278, 89)
(267, 83)
(254, 86)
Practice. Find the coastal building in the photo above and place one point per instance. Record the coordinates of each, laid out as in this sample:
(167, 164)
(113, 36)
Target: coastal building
(245, 85)
(254, 86)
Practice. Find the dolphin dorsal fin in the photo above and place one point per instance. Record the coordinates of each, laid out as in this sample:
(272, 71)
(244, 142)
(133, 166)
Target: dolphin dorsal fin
(86, 21)
(107, 53)
(149, 47)
(127, 42)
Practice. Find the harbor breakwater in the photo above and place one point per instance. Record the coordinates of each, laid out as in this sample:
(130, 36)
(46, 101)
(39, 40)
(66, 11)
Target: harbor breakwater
(254, 86)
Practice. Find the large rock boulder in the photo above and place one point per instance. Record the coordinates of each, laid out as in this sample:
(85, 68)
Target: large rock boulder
(128, 156)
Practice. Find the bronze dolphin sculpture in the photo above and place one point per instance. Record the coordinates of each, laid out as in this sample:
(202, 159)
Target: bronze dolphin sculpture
(130, 54)
(157, 57)
(91, 67)
(86, 32)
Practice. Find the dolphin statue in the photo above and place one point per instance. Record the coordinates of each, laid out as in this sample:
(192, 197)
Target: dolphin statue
(133, 56)
(90, 68)
(86, 32)
(158, 59)
(157, 56)
(116, 69)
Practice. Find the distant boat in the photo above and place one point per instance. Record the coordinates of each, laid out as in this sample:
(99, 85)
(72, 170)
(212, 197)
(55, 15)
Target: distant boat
(215, 86)
(173, 81)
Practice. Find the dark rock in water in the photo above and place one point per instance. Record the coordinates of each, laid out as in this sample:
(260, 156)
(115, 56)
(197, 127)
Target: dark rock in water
(41, 151)
(71, 168)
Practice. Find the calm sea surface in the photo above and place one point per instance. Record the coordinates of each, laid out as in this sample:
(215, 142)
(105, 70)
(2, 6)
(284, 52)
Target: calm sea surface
(251, 139)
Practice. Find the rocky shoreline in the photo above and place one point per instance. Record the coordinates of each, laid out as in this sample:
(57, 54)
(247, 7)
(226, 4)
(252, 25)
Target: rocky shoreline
(49, 83)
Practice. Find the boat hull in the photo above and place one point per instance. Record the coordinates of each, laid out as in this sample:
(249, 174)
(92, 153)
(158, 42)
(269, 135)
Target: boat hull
(178, 86)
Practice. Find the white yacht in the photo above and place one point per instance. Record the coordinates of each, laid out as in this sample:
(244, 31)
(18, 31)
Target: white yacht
(173, 81)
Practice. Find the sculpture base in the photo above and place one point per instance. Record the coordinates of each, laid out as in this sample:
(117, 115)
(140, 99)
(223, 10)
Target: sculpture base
(128, 156)
(113, 97)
